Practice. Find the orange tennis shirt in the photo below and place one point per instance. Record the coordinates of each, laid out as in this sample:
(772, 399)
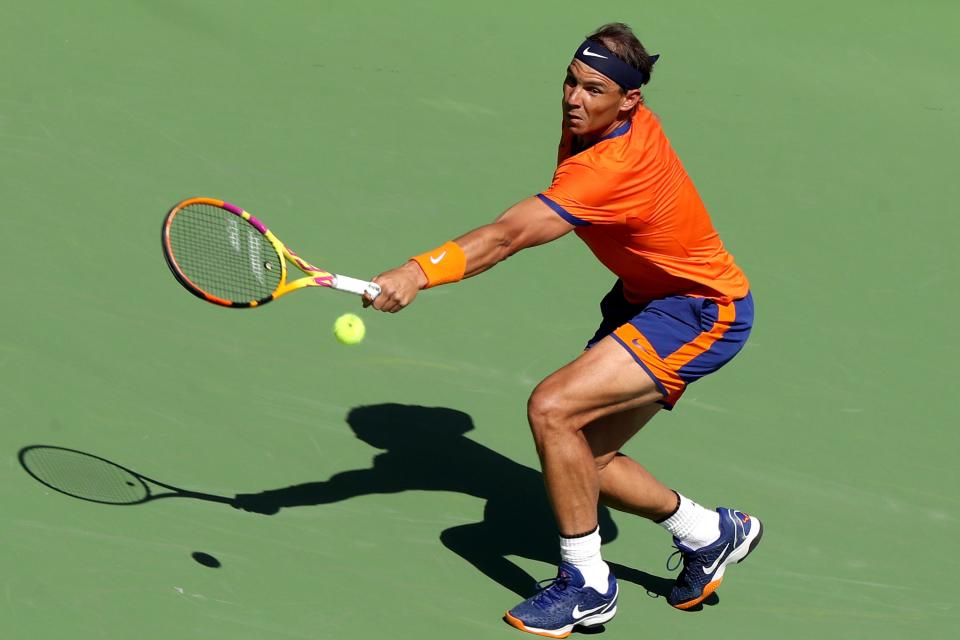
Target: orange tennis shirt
(634, 205)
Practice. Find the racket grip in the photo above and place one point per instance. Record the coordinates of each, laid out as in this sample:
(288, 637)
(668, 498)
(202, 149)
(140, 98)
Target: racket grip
(358, 287)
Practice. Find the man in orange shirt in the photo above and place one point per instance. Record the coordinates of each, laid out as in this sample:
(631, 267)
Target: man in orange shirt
(680, 309)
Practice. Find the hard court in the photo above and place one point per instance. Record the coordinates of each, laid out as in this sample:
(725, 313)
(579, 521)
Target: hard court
(393, 487)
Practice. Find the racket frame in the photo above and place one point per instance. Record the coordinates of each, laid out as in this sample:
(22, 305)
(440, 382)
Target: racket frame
(315, 277)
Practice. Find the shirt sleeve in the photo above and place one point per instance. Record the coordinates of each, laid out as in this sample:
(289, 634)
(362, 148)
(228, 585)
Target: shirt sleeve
(581, 194)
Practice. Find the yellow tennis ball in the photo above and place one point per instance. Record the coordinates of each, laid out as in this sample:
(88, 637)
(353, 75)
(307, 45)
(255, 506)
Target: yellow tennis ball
(349, 329)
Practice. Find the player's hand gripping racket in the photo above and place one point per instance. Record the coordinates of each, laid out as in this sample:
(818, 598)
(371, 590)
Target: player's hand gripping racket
(222, 254)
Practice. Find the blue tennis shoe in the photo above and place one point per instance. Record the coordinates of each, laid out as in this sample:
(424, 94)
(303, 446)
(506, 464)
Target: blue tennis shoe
(703, 569)
(564, 603)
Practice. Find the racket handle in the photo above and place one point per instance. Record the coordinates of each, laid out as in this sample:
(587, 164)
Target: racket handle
(358, 287)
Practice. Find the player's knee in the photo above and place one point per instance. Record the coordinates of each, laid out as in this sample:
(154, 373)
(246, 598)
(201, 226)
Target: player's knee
(547, 413)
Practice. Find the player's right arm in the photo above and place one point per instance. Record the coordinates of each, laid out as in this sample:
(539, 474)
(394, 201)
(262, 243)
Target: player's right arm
(528, 223)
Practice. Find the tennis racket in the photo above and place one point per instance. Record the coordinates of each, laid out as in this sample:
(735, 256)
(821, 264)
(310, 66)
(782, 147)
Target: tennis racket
(222, 254)
(94, 479)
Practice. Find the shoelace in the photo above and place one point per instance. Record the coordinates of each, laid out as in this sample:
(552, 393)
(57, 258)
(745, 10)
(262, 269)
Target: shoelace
(679, 552)
(682, 559)
(550, 587)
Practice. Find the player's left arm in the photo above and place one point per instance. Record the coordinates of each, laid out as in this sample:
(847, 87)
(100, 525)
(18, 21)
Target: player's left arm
(528, 223)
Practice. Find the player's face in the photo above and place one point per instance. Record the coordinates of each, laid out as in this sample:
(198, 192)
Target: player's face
(592, 102)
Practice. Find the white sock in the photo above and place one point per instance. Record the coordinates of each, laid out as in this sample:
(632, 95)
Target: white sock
(583, 552)
(693, 525)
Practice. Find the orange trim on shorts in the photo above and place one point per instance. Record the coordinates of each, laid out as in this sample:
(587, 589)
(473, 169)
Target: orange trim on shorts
(726, 314)
(643, 351)
(666, 370)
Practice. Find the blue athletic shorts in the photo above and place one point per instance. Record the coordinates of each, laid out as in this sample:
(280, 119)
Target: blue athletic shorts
(678, 339)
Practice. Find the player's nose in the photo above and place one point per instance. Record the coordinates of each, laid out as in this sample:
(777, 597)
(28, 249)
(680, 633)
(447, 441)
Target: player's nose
(572, 97)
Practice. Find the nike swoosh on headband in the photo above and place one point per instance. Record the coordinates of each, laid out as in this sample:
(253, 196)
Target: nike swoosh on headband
(587, 52)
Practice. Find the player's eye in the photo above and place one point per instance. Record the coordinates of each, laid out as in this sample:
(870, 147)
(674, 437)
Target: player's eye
(570, 81)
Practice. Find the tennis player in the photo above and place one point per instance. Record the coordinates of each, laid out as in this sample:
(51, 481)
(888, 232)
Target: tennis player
(679, 310)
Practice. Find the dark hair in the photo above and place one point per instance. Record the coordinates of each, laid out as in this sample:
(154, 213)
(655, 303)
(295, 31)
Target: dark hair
(620, 39)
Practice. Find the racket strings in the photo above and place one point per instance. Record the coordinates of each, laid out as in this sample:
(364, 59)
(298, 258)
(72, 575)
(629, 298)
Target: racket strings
(84, 476)
(223, 255)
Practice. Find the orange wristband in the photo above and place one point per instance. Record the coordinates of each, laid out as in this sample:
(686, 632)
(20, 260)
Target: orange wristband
(444, 264)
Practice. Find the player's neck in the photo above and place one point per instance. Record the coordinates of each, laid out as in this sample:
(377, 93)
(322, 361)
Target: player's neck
(588, 140)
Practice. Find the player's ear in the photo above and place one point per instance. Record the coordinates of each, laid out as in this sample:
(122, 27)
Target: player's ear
(630, 99)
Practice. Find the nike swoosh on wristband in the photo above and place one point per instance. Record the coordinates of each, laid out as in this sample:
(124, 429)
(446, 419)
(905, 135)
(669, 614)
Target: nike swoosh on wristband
(577, 614)
(436, 260)
(716, 563)
(587, 52)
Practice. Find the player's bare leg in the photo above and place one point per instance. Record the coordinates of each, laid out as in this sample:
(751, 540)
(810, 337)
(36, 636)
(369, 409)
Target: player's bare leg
(603, 381)
(580, 417)
(626, 485)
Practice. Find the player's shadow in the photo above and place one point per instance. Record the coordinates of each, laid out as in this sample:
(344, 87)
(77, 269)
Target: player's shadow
(425, 449)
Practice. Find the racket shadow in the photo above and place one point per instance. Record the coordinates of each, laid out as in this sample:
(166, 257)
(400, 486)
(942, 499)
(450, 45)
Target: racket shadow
(88, 477)
(425, 448)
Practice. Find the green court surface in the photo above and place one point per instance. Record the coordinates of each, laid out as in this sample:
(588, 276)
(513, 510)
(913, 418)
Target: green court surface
(399, 477)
